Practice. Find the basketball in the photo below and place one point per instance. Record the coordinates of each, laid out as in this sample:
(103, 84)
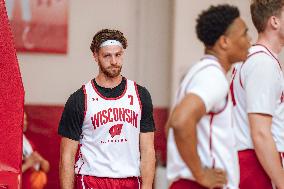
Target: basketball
(38, 180)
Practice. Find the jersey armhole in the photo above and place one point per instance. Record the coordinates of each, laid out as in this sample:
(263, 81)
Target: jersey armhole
(138, 96)
(85, 101)
(220, 111)
(240, 76)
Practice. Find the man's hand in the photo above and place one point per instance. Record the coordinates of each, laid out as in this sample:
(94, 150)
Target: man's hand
(212, 178)
(32, 159)
(37, 156)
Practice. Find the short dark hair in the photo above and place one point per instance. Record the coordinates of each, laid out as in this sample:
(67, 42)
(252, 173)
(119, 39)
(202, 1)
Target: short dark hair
(107, 34)
(214, 22)
(261, 10)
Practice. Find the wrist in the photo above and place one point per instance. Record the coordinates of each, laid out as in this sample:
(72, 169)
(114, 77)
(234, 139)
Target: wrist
(199, 174)
(280, 182)
(146, 187)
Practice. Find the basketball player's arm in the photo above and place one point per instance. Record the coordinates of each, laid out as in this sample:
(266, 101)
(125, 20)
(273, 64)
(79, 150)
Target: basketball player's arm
(26, 166)
(265, 147)
(183, 120)
(148, 160)
(29, 162)
(34, 159)
(44, 164)
(68, 149)
(261, 86)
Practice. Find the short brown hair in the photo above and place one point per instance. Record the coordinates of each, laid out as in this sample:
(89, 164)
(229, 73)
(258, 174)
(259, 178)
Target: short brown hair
(262, 10)
(107, 34)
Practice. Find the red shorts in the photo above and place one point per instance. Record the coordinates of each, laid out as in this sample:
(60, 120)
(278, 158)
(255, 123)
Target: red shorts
(88, 182)
(252, 175)
(186, 184)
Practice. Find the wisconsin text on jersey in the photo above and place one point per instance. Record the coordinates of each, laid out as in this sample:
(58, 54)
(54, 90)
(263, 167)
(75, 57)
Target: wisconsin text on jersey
(113, 115)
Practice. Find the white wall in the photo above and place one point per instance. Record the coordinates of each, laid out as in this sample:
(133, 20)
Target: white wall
(162, 45)
(187, 49)
(51, 78)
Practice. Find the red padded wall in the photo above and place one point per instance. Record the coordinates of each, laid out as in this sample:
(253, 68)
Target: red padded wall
(11, 106)
(42, 131)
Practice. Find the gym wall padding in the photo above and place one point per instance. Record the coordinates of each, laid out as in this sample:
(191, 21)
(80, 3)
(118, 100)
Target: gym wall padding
(11, 106)
(42, 132)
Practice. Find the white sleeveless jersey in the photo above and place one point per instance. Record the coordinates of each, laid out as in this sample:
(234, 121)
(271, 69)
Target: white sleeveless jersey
(109, 144)
(250, 95)
(216, 143)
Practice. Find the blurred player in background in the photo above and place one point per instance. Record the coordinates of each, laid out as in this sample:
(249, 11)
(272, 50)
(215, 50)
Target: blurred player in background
(258, 95)
(201, 144)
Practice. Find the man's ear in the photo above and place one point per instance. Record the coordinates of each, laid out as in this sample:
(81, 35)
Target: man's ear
(96, 56)
(274, 22)
(223, 42)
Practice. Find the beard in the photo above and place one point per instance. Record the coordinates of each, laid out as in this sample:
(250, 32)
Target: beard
(111, 71)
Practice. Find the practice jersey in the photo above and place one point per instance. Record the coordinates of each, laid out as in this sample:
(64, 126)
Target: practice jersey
(257, 87)
(216, 143)
(109, 144)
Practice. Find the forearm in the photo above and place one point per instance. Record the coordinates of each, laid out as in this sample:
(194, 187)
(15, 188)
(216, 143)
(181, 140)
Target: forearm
(147, 159)
(66, 173)
(265, 147)
(148, 169)
(268, 156)
(68, 150)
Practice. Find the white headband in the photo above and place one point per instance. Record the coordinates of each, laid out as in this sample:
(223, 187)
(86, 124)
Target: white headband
(111, 42)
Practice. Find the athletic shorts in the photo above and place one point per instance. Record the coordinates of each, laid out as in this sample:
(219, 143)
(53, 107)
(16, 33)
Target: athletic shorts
(92, 182)
(252, 175)
(186, 184)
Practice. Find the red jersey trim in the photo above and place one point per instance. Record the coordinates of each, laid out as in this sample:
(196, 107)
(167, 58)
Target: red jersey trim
(211, 139)
(79, 156)
(241, 83)
(212, 114)
(96, 90)
(232, 87)
(86, 101)
(138, 96)
(269, 53)
(282, 158)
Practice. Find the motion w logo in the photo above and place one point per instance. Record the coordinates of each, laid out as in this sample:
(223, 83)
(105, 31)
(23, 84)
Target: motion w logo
(115, 130)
